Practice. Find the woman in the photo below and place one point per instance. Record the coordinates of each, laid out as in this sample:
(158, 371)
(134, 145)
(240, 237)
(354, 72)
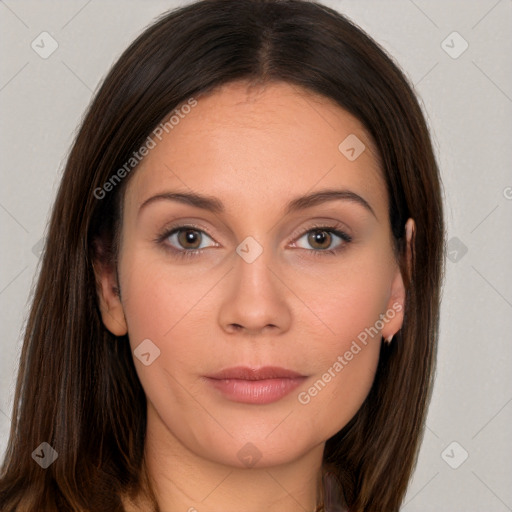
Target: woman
(284, 359)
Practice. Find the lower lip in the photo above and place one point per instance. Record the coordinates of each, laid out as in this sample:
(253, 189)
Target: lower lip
(256, 391)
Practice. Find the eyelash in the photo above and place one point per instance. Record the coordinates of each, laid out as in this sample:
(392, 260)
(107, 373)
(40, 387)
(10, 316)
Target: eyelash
(184, 253)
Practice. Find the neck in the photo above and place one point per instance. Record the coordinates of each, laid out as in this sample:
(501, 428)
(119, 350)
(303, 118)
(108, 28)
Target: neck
(183, 481)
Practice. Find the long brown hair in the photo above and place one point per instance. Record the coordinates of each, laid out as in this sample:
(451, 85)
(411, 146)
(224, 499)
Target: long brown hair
(77, 388)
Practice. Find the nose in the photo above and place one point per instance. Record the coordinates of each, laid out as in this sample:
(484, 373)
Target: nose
(255, 299)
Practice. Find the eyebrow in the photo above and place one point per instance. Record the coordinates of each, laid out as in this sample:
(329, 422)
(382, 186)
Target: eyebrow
(214, 204)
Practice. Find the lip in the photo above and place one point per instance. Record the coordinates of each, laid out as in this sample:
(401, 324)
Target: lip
(255, 385)
(246, 373)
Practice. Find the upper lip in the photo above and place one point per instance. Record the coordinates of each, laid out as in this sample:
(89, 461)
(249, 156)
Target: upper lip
(246, 373)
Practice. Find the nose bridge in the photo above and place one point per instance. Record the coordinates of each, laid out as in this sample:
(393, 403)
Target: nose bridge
(252, 267)
(256, 298)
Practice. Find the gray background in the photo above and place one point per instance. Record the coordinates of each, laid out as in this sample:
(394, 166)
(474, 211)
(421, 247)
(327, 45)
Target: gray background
(468, 102)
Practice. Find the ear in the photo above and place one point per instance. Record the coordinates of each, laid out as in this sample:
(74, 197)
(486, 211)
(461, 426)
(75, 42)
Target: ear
(109, 298)
(396, 303)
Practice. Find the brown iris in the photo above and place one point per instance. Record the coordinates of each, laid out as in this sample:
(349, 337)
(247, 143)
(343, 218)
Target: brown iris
(319, 237)
(189, 236)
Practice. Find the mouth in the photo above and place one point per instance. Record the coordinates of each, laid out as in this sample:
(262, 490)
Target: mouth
(255, 385)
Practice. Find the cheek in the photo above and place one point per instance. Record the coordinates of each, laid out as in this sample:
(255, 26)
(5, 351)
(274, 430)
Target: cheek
(171, 309)
(347, 297)
(159, 297)
(345, 359)
(345, 340)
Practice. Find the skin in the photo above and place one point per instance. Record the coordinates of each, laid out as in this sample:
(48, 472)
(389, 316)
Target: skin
(253, 149)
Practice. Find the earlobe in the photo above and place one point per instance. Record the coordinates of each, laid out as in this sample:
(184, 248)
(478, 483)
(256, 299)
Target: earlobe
(395, 308)
(111, 307)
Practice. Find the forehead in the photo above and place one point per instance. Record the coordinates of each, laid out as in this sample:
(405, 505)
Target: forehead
(264, 144)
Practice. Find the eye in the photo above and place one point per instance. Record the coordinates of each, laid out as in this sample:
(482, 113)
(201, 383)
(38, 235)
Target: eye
(187, 238)
(323, 238)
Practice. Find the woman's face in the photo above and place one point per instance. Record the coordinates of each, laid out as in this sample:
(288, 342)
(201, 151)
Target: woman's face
(256, 277)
